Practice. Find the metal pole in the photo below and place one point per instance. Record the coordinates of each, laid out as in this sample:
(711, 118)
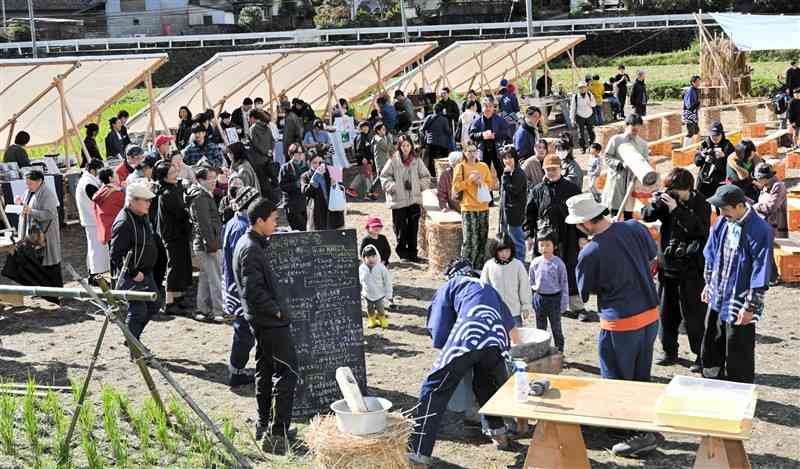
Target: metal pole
(402, 18)
(33, 29)
(529, 16)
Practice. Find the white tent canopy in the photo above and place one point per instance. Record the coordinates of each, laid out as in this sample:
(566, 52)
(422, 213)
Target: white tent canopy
(760, 32)
(30, 99)
(481, 64)
(316, 75)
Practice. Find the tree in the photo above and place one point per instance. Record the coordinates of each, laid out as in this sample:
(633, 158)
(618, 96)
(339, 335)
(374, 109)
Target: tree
(251, 18)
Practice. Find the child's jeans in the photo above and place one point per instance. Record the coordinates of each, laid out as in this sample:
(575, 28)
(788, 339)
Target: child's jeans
(548, 308)
(593, 187)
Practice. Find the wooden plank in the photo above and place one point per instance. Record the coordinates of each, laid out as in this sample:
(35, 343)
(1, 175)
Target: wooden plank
(717, 453)
(584, 401)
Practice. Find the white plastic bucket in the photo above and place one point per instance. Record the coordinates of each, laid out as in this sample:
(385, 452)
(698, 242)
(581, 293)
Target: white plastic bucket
(356, 423)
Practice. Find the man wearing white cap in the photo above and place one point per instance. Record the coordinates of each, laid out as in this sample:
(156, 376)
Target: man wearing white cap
(132, 233)
(615, 265)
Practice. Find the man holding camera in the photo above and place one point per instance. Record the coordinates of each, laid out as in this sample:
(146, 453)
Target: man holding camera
(712, 159)
(684, 215)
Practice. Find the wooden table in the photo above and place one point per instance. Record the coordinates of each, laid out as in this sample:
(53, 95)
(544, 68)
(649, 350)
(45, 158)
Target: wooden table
(572, 401)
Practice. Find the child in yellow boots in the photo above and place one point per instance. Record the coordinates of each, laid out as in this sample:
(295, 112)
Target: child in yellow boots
(376, 286)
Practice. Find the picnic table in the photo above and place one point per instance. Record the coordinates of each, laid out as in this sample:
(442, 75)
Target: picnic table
(629, 405)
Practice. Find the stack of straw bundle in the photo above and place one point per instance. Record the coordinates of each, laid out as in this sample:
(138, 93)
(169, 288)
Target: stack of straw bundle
(333, 449)
(721, 60)
(422, 235)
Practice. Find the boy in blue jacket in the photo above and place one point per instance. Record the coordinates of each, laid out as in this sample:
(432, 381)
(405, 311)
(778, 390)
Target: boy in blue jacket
(738, 264)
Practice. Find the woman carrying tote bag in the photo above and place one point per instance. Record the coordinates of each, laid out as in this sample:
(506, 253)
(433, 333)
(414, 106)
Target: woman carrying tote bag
(472, 179)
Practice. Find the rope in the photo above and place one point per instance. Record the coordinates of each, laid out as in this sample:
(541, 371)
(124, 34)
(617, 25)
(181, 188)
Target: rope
(638, 43)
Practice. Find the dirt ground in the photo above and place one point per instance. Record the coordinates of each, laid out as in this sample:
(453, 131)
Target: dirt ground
(54, 345)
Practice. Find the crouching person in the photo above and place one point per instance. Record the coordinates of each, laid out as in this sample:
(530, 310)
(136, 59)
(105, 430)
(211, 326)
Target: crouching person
(266, 313)
(472, 327)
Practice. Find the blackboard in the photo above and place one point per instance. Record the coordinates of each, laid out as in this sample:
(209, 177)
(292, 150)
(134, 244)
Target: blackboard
(318, 273)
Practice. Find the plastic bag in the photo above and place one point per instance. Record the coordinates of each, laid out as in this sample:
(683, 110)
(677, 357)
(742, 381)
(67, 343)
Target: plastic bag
(484, 196)
(337, 200)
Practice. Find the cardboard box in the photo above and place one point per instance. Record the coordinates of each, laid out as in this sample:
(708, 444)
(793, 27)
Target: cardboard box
(787, 260)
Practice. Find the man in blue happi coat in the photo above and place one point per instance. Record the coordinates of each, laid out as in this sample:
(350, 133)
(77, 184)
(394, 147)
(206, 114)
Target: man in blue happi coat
(738, 265)
(473, 328)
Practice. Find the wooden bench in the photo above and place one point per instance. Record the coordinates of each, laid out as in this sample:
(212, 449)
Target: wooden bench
(663, 146)
(754, 130)
(630, 405)
(769, 144)
(787, 260)
(793, 213)
(603, 133)
(747, 112)
(654, 124)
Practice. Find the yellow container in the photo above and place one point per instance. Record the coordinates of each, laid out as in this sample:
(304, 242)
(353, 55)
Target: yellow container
(706, 404)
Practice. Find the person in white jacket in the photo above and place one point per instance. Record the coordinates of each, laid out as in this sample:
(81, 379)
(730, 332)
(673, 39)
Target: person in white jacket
(509, 277)
(582, 113)
(376, 286)
(97, 258)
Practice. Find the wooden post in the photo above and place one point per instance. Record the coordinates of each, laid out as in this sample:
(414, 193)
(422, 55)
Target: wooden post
(717, 453)
(207, 104)
(574, 67)
(271, 89)
(148, 83)
(64, 133)
(59, 84)
(13, 121)
(557, 446)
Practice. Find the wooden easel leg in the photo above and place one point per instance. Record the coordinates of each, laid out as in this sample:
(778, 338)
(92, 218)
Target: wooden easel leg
(716, 453)
(557, 446)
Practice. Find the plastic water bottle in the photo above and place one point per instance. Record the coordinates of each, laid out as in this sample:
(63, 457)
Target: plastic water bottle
(521, 380)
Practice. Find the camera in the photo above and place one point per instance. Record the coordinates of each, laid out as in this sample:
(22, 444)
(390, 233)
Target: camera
(407, 185)
(675, 248)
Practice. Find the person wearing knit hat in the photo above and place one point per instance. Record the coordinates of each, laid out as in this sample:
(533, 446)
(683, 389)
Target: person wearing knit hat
(546, 208)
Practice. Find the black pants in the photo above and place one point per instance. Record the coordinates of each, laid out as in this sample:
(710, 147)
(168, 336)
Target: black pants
(438, 387)
(640, 109)
(54, 279)
(680, 301)
(435, 152)
(160, 269)
(405, 222)
(728, 350)
(623, 97)
(585, 130)
(494, 160)
(276, 376)
(297, 218)
(179, 265)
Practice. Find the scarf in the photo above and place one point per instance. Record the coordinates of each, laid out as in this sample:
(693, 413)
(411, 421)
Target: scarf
(407, 162)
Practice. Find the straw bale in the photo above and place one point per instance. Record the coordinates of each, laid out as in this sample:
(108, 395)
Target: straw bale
(422, 236)
(444, 244)
(333, 449)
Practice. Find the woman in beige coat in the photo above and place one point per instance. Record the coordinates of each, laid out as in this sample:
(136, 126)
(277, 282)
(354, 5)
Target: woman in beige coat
(403, 178)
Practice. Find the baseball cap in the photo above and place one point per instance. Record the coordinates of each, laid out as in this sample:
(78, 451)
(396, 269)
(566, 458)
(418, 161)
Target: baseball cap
(139, 190)
(134, 150)
(763, 171)
(374, 222)
(162, 139)
(551, 161)
(727, 196)
(716, 128)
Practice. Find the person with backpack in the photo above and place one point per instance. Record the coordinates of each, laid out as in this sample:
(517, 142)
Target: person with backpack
(691, 108)
(793, 115)
(438, 137)
(780, 104)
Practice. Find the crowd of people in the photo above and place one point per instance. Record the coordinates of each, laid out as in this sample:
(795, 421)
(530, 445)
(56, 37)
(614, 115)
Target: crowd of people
(196, 195)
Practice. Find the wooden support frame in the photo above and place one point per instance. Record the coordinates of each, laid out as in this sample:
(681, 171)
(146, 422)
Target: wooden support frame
(353, 75)
(207, 102)
(148, 82)
(59, 85)
(573, 66)
(557, 446)
(536, 64)
(497, 61)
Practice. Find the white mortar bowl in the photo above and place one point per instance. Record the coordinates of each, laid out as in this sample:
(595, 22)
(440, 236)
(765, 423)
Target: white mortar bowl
(356, 423)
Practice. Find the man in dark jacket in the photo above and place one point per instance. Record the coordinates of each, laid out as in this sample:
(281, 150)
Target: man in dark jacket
(450, 107)
(175, 229)
(792, 76)
(712, 159)
(513, 194)
(438, 137)
(206, 242)
(639, 94)
(685, 219)
(621, 80)
(132, 234)
(793, 115)
(293, 126)
(239, 116)
(490, 132)
(691, 108)
(547, 207)
(294, 202)
(267, 314)
(527, 134)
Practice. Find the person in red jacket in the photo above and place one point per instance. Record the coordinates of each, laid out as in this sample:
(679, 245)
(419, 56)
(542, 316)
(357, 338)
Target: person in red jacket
(106, 203)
